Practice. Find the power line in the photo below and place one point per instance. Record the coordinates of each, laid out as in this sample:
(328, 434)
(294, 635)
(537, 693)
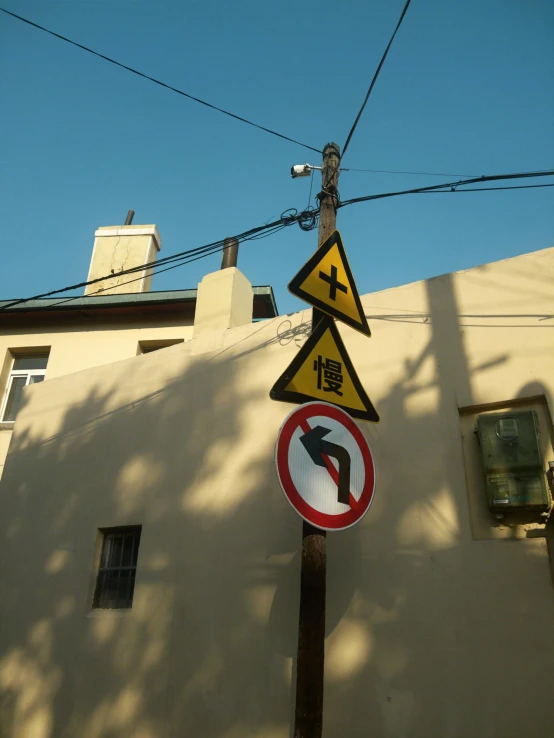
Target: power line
(289, 217)
(451, 186)
(154, 271)
(279, 228)
(424, 174)
(184, 257)
(158, 82)
(486, 189)
(375, 78)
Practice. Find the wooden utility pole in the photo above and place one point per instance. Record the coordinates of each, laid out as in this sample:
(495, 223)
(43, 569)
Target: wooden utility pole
(310, 660)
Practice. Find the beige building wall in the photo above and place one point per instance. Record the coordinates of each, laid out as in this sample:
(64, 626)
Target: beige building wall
(76, 348)
(436, 625)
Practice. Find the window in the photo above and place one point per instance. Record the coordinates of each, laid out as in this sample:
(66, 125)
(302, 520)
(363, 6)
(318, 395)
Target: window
(118, 565)
(26, 370)
(146, 347)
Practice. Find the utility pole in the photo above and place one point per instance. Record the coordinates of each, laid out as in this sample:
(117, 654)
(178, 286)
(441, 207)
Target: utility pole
(310, 660)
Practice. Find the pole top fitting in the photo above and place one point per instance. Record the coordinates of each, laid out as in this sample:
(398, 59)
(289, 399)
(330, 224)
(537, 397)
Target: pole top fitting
(230, 253)
(331, 148)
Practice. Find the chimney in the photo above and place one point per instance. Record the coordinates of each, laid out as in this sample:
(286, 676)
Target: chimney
(225, 299)
(117, 248)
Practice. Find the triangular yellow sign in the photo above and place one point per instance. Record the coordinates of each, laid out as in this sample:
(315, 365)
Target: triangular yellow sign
(322, 370)
(326, 282)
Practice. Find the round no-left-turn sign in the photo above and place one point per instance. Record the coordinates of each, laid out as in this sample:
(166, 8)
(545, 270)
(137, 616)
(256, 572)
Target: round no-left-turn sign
(325, 466)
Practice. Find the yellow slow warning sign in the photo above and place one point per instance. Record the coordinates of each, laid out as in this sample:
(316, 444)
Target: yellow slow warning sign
(326, 282)
(322, 370)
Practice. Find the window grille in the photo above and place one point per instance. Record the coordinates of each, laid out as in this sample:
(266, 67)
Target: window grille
(115, 584)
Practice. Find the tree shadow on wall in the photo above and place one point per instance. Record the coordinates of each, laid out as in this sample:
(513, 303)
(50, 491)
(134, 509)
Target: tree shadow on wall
(193, 468)
(208, 647)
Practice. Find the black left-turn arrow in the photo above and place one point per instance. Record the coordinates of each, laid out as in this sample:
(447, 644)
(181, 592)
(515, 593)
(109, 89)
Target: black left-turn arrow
(315, 444)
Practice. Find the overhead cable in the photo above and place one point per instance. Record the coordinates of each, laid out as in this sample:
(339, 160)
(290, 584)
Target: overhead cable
(375, 78)
(450, 186)
(486, 189)
(289, 217)
(394, 171)
(159, 82)
(307, 218)
(154, 271)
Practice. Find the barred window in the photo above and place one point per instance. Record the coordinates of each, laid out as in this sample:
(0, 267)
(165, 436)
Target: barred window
(118, 564)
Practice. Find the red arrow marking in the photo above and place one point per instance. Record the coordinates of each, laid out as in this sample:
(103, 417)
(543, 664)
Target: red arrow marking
(333, 473)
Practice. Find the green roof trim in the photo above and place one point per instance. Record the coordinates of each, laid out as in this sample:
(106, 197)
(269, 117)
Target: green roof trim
(139, 299)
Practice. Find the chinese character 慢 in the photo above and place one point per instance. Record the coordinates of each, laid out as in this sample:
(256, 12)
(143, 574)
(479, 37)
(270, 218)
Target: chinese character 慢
(332, 375)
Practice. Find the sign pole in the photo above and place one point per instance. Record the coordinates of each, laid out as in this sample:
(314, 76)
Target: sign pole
(310, 659)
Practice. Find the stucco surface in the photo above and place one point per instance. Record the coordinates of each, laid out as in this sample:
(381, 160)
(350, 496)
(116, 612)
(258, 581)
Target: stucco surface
(431, 633)
(118, 248)
(89, 344)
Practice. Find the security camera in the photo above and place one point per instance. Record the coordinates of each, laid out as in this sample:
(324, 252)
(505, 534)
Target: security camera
(300, 170)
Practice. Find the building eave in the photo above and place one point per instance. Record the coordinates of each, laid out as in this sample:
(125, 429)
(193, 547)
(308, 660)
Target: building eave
(128, 305)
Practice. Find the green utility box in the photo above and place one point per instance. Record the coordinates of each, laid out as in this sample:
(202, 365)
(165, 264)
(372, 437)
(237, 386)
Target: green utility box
(512, 461)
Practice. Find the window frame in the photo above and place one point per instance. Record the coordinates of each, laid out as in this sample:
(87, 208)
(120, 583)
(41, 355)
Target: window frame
(15, 374)
(100, 588)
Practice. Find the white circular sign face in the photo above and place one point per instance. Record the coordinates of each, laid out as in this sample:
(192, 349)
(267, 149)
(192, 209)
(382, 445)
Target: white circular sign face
(325, 466)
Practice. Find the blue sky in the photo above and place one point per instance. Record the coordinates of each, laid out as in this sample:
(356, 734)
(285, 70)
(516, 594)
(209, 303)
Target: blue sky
(466, 89)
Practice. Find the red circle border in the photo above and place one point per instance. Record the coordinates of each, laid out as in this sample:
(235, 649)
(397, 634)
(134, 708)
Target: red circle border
(315, 517)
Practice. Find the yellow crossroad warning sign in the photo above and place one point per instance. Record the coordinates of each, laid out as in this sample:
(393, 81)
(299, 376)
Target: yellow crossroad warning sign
(322, 370)
(326, 282)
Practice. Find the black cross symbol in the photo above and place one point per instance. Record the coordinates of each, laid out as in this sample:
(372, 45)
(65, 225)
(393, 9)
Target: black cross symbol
(334, 282)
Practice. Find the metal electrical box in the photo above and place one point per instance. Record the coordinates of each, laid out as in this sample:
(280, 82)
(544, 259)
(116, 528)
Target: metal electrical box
(512, 461)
